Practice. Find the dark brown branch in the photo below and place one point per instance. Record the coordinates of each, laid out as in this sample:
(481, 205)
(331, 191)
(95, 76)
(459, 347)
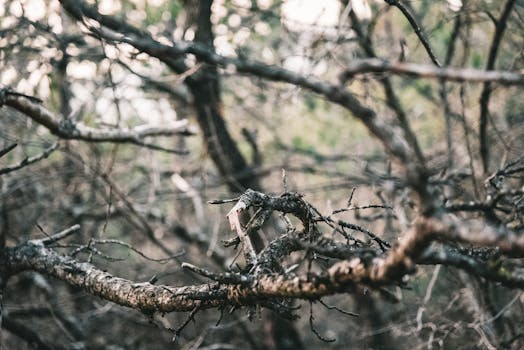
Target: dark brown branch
(391, 97)
(486, 90)
(487, 269)
(7, 149)
(416, 28)
(442, 89)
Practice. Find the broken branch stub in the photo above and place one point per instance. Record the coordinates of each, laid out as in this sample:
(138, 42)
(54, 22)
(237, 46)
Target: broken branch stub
(234, 221)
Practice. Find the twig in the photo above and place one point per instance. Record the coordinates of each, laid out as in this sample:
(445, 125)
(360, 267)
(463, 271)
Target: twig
(58, 236)
(189, 318)
(350, 200)
(329, 307)
(380, 65)
(160, 148)
(79, 131)
(371, 206)
(223, 201)
(234, 221)
(313, 329)
(8, 149)
(373, 236)
(29, 160)
(115, 241)
(284, 180)
(416, 28)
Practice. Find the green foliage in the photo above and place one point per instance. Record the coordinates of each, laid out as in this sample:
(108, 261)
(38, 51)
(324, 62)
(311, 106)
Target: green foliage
(300, 143)
(477, 59)
(154, 14)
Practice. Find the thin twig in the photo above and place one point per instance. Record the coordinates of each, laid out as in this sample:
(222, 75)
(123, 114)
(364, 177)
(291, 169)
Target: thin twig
(416, 28)
(115, 241)
(223, 201)
(314, 330)
(58, 236)
(344, 312)
(29, 160)
(189, 318)
(8, 149)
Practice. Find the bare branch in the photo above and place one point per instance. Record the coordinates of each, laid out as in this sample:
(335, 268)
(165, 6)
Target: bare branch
(416, 28)
(241, 289)
(58, 236)
(78, 131)
(490, 270)
(29, 160)
(391, 137)
(486, 90)
(377, 65)
(7, 149)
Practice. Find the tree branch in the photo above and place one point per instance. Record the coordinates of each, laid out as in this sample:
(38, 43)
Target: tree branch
(416, 28)
(391, 137)
(486, 90)
(377, 65)
(29, 160)
(78, 131)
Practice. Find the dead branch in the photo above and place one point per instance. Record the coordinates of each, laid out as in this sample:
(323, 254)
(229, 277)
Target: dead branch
(67, 129)
(29, 160)
(7, 149)
(418, 30)
(378, 65)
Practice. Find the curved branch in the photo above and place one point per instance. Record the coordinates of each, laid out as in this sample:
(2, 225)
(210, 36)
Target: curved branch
(79, 131)
(416, 28)
(29, 160)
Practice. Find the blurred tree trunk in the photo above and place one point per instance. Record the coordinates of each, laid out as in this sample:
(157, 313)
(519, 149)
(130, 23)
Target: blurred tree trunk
(205, 88)
(223, 150)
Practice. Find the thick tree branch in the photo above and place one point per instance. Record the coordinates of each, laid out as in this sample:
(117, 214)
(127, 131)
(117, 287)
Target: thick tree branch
(260, 286)
(78, 131)
(490, 270)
